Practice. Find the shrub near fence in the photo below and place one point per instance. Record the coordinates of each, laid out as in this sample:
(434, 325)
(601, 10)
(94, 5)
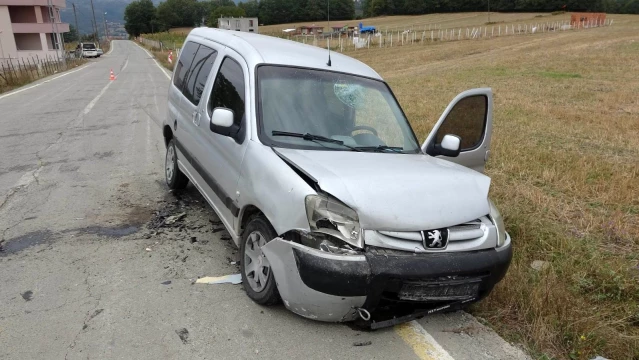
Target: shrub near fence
(17, 72)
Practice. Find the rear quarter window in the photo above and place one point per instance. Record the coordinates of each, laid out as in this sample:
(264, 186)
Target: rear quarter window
(184, 63)
(199, 73)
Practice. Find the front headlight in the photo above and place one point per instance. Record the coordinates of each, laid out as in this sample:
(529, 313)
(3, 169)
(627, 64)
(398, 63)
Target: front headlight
(329, 216)
(495, 215)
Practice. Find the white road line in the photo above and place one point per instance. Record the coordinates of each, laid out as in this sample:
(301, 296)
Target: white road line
(89, 107)
(111, 48)
(155, 61)
(422, 343)
(124, 67)
(44, 82)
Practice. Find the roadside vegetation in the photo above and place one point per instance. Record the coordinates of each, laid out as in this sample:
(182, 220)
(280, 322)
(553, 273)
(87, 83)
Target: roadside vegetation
(564, 172)
(16, 74)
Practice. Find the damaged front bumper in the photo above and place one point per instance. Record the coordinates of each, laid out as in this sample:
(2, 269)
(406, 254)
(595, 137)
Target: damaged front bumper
(329, 287)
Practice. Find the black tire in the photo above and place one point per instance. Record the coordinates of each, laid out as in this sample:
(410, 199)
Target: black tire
(269, 294)
(175, 179)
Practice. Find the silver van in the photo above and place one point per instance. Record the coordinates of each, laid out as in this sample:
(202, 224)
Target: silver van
(313, 168)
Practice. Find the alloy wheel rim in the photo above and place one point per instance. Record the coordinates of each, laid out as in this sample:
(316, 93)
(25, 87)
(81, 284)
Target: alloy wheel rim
(170, 163)
(256, 266)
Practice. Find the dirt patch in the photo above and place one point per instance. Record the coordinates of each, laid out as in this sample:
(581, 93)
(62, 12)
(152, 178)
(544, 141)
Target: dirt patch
(113, 232)
(103, 155)
(25, 241)
(22, 168)
(69, 167)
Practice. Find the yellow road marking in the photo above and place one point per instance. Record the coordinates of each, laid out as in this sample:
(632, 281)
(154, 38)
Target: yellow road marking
(424, 346)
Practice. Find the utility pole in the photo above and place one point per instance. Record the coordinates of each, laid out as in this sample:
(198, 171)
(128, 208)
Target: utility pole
(75, 15)
(95, 24)
(106, 30)
(57, 41)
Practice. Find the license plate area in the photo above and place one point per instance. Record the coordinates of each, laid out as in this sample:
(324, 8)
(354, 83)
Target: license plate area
(445, 290)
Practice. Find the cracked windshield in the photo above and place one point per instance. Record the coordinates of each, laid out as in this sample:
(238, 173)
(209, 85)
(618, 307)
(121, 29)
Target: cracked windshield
(352, 111)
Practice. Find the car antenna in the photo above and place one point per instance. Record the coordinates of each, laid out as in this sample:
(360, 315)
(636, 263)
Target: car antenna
(328, 14)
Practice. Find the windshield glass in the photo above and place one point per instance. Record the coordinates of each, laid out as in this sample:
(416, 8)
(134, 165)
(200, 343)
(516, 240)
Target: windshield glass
(88, 46)
(357, 111)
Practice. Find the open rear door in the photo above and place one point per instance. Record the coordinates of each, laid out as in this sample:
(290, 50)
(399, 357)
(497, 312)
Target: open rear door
(469, 117)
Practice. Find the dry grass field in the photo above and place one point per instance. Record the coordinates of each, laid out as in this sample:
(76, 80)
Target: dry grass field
(564, 168)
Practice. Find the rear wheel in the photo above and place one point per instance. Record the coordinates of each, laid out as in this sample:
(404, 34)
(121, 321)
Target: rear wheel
(257, 276)
(175, 179)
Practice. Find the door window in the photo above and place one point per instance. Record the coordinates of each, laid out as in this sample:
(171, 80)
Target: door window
(184, 63)
(467, 119)
(228, 90)
(199, 73)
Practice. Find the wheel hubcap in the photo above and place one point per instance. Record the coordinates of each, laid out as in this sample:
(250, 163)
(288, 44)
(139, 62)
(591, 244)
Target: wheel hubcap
(170, 163)
(256, 266)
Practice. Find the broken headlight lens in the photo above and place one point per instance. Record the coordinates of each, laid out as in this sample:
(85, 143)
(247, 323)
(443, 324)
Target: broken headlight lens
(329, 216)
(327, 244)
(495, 215)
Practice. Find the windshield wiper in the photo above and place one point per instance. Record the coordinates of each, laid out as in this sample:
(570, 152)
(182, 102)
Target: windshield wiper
(381, 148)
(314, 138)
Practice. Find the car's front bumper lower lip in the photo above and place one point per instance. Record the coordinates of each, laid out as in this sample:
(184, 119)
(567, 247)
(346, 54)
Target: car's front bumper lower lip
(329, 287)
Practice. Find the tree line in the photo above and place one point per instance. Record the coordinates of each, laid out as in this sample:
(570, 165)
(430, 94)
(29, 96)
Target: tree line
(142, 16)
(414, 7)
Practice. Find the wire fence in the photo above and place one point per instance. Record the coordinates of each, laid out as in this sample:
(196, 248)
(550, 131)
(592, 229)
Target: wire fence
(17, 72)
(161, 45)
(343, 41)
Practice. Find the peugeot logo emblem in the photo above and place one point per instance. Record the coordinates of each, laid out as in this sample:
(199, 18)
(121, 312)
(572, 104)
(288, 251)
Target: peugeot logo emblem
(435, 239)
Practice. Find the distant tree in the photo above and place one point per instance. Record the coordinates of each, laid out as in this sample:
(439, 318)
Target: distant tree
(251, 8)
(138, 16)
(224, 11)
(72, 35)
(179, 13)
(88, 37)
(341, 9)
(631, 7)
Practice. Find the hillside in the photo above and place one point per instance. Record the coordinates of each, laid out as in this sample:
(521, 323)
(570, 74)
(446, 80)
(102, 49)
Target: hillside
(114, 10)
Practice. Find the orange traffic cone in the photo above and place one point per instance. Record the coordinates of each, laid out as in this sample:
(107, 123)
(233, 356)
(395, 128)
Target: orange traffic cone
(112, 77)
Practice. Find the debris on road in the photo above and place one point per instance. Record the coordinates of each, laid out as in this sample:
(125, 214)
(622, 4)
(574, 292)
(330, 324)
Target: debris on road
(226, 279)
(174, 218)
(168, 282)
(183, 333)
(27, 295)
(362, 343)
(539, 265)
(148, 249)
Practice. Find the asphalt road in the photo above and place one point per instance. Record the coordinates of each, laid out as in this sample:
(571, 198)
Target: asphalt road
(85, 269)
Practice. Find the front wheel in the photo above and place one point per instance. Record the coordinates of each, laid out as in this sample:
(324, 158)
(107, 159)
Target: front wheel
(175, 179)
(257, 276)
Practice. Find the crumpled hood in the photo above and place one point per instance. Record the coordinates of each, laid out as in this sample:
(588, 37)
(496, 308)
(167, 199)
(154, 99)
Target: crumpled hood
(397, 192)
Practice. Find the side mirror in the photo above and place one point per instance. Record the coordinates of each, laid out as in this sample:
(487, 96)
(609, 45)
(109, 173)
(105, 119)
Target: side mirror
(221, 118)
(450, 146)
(222, 122)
